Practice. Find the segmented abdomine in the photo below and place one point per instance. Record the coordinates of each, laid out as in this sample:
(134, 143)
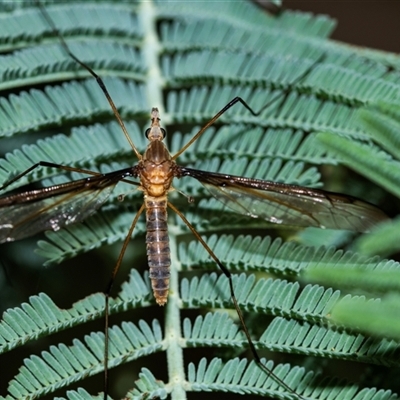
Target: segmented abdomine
(158, 251)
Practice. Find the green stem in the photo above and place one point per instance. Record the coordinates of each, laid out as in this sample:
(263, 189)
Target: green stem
(173, 332)
(151, 50)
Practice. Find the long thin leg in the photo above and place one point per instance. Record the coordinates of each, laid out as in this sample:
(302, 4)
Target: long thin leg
(48, 165)
(98, 79)
(63, 167)
(240, 100)
(108, 293)
(234, 301)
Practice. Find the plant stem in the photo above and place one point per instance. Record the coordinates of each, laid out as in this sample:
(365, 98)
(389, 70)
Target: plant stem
(173, 332)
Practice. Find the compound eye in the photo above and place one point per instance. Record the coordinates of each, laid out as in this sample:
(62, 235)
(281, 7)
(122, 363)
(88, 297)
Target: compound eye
(164, 133)
(147, 133)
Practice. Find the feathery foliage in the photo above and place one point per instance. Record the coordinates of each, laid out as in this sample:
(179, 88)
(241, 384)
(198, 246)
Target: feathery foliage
(329, 106)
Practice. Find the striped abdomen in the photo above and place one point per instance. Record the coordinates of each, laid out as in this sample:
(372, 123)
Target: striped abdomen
(157, 242)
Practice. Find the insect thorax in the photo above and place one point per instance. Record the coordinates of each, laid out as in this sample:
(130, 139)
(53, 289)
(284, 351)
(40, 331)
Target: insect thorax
(157, 169)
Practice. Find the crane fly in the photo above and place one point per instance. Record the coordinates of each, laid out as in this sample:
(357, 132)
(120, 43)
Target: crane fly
(52, 208)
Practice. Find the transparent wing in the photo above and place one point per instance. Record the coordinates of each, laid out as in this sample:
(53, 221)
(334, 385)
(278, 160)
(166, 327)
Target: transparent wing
(289, 204)
(27, 213)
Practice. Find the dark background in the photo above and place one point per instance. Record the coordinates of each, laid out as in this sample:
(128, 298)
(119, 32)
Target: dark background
(373, 23)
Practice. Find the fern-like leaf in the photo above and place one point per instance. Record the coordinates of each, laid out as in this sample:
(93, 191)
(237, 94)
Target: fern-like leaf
(325, 111)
